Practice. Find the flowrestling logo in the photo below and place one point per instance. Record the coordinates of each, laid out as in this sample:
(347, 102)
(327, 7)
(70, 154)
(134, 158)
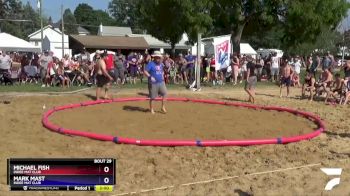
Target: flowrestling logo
(332, 172)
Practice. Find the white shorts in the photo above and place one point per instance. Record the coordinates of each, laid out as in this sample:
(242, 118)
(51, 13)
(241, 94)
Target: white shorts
(275, 71)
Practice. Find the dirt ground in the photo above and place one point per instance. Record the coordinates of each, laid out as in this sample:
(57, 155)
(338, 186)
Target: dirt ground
(292, 169)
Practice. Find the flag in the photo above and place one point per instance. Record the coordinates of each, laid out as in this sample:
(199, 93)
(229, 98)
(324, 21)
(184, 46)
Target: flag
(222, 47)
(38, 4)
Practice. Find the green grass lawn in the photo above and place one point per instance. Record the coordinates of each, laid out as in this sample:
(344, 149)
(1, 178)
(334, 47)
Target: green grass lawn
(37, 87)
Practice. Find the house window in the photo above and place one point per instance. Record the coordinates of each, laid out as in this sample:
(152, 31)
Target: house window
(36, 43)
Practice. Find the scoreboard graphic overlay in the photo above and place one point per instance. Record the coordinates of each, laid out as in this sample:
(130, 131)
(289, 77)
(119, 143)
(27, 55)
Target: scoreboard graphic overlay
(94, 174)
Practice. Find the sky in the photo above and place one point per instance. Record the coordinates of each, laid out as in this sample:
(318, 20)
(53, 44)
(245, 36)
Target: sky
(53, 7)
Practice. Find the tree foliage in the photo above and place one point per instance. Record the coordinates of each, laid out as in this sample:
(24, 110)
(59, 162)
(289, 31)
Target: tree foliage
(300, 21)
(125, 12)
(70, 22)
(164, 19)
(167, 20)
(90, 19)
(14, 10)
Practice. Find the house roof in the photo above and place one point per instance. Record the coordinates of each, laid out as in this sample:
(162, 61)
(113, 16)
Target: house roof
(114, 31)
(156, 43)
(110, 42)
(80, 29)
(44, 28)
(83, 30)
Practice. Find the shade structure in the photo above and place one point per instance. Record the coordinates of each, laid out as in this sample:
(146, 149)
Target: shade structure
(11, 43)
(107, 42)
(247, 49)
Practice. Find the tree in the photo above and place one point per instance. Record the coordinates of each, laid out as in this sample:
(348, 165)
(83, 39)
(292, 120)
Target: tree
(29, 27)
(70, 22)
(165, 20)
(13, 12)
(90, 19)
(84, 14)
(197, 18)
(125, 12)
(50, 21)
(327, 40)
(300, 20)
(104, 18)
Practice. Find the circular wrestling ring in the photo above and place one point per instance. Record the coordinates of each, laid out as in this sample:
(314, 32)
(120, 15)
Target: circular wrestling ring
(202, 143)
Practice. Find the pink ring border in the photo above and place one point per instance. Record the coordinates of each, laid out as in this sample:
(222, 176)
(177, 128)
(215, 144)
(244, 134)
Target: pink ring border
(202, 143)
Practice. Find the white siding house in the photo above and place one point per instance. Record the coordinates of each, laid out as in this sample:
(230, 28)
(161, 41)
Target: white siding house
(52, 41)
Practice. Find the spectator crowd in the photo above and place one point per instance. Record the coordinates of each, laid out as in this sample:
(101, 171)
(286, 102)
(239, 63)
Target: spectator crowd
(48, 70)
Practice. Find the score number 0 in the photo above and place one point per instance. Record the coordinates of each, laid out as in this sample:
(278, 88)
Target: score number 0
(106, 179)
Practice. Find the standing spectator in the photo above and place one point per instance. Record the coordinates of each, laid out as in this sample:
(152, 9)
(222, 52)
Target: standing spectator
(35, 60)
(182, 66)
(275, 67)
(244, 70)
(213, 75)
(168, 63)
(132, 66)
(5, 62)
(140, 67)
(308, 63)
(206, 67)
(25, 61)
(315, 64)
(287, 75)
(155, 71)
(251, 80)
(5, 66)
(326, 62)
(268, 67)
(102, 76)
(173, 73)
(44, 61)
(259, 67)
(84, 57)
(109, 60)
(297, 67)
(333, 61)
(235, 68)
(190, 66)
(119, 69)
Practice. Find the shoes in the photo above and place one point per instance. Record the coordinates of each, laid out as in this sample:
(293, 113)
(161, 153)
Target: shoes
(43, 86)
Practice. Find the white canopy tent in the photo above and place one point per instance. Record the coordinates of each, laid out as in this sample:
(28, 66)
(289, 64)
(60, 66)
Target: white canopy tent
(247, 49)
(209, 45)
(11, 43)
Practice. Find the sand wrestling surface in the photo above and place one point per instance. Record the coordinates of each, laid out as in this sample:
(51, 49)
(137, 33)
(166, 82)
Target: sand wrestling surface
(292, 169)
(186, 121)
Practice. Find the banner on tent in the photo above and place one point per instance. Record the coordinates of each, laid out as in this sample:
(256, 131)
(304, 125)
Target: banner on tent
(222, 47)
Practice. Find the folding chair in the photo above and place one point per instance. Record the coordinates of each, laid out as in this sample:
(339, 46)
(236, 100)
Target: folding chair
(14, 73)
(32, 74)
